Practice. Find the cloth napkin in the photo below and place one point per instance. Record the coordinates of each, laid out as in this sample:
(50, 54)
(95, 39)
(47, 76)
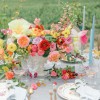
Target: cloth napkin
(88, 92)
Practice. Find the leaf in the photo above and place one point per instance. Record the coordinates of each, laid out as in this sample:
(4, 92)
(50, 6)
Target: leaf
(46, 53)
(2, 75)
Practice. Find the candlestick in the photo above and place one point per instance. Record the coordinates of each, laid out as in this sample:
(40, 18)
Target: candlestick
(93, 30)
(91, 48)
(83, 26)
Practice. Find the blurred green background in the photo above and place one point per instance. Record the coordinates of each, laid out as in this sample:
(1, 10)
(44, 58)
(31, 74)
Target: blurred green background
(48, 11)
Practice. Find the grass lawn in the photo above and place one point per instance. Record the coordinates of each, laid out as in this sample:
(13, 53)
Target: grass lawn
(48, 10)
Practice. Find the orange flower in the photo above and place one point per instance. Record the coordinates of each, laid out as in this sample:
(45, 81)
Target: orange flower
(9, 75)
(23, 41)
(10, 53)
(1, 54)
(29, 48)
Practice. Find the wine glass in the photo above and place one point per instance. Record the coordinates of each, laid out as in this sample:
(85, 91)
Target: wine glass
(18, 72)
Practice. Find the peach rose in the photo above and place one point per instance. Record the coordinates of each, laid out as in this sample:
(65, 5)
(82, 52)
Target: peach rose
(9, 75)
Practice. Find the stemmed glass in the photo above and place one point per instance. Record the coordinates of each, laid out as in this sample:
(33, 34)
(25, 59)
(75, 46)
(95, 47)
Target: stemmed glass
(91, 74)
(18, 72)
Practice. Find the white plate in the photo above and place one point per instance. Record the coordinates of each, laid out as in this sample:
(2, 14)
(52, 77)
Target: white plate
(65, 92)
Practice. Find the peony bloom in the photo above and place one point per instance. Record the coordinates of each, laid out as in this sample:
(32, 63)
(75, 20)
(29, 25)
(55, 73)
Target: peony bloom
(1, 43)
(34, 86)
(53, 74)
(44, 45)
(41, 52)
(65, 76)
(37, 40)
(23, 41)
(54, 56)
(53, 46)
(19, 27)
(9, 75)
(34, 48)
(11, 47)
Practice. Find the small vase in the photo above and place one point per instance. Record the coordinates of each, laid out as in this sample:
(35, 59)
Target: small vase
(35, 64)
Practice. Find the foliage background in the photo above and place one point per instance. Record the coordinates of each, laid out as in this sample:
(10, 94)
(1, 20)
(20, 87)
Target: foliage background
(47, 10)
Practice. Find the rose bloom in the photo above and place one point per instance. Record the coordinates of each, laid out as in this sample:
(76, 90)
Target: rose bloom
(53, 74)
(34, 86)
(33, 53)
(65, 76)
(54, 56)
(64, 71)
(44, 45)
(23, 41)
(41, 52)
(34, 48)
(9, 75)
(53, 46)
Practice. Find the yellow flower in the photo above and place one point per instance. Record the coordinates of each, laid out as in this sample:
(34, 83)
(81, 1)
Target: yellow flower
(11, 47)
(1, 43)
(7, 59)
(67, 31)
(54, 34)
(5, 68)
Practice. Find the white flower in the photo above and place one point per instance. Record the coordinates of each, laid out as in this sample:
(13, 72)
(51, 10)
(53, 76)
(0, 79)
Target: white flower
(19, 27)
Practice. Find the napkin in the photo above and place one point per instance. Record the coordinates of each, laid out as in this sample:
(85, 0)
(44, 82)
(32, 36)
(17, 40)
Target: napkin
(88, 92)
(20, 93)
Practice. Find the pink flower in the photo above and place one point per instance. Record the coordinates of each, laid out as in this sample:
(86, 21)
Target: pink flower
(37, 21)
(68, 40)
(33, 53)
(83, 37)
(34, 48)
(53, 46)
(53, 74)
(34, 86)
(6, 31)
(37, 40)
(65, 76)
(69, 49)
(54, 56)
(41, 52)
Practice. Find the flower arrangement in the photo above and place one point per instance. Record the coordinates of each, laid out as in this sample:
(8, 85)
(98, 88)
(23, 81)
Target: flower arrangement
(26, 38)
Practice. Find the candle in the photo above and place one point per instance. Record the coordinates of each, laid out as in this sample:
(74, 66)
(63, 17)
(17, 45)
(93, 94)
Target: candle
(51, 93)
(83, 27)
(55, 90)
(91, 48)
(93, 29)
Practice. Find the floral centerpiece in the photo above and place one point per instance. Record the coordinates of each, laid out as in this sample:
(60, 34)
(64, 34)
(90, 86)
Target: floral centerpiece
(26, 39)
